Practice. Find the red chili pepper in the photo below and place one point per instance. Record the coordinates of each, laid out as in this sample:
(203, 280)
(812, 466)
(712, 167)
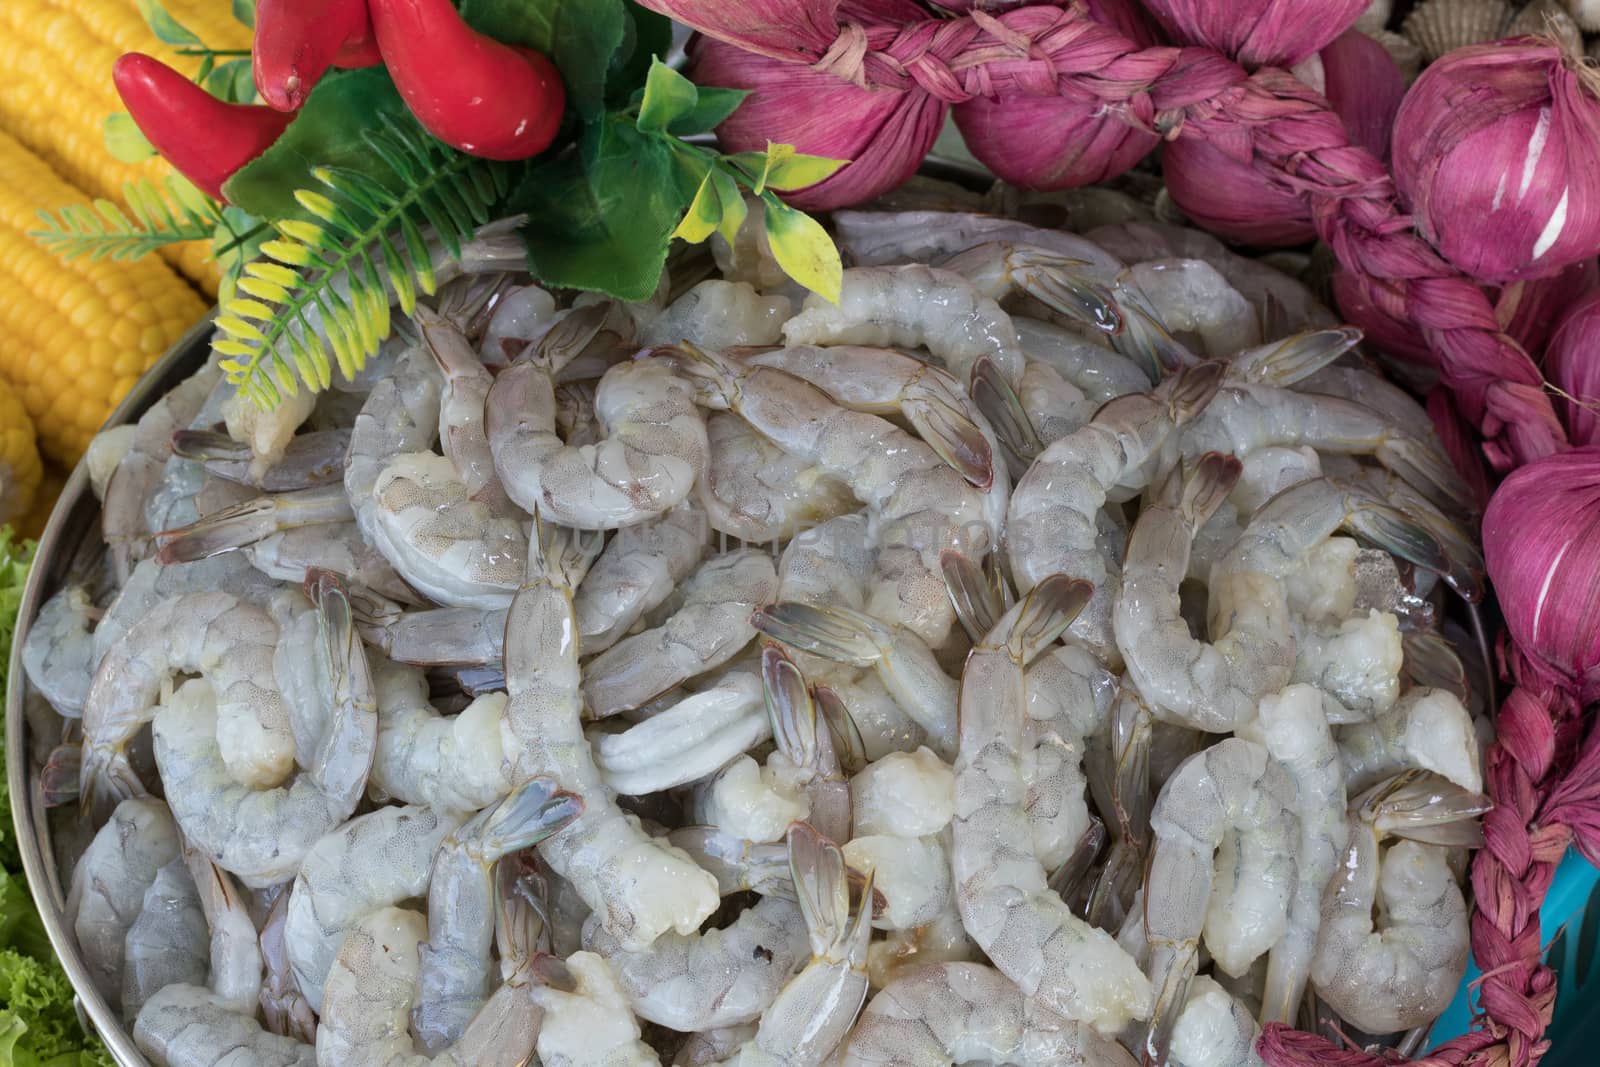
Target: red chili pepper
(204, 138)
(486, 98)
(298, 40)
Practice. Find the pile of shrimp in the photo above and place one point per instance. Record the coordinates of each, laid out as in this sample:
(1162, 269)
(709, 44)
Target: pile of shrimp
(1044, 655)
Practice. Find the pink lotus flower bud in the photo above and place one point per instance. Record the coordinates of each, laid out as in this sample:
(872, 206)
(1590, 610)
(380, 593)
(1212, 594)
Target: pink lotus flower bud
(1530, 311)
(885, 135)
(1058, 142)
(1215, 184)
(1497, 154)
(1365, 87)
(1572, 363)
(1541, 544)
(1258, 33)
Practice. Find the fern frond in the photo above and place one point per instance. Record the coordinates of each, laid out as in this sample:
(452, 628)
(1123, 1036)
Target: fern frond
(160, 218)
(320, 293)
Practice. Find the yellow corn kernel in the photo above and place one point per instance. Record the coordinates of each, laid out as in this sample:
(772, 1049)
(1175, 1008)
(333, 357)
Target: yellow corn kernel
(79, 333)
(20, 468)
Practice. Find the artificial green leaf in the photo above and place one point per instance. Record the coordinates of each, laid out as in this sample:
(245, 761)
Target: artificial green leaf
(795, 171)
(668, 95)
(326, 133)
(167, 29)
(646, 35)
(245, 12)
(803, 249)
(734, 208)
(124, 140)
(712, 107)
(233, 81)
(603, 216)
(704, 213)
(579, 36)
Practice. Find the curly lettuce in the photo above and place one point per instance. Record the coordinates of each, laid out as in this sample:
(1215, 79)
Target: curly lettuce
(38, 1023)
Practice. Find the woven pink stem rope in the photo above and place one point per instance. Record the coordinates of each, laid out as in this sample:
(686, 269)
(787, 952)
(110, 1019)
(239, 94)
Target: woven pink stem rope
(1545, 800)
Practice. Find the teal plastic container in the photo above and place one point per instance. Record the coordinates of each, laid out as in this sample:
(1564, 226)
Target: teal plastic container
(1569, 929)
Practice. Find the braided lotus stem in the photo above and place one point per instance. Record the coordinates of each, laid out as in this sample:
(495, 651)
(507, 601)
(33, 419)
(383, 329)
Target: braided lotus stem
(1292, 137)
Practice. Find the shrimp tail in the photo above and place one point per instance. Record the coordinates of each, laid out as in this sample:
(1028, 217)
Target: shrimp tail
(789, 706)
(1431, 663)
(998, 402)
(1401, 535)
(532, 812)
(1193, 389)
(1068, 878)
(1427, 469)
(1294, 359)
(1207, 485)
(976, 601)
(1177, 964)
(1144, 338)
(208, 445)
(838, 633)
(951, 434)
(849, 747)
(1044, 615)
(59, 778)
(521, 931)
(1056, 282)
(1422, 806)
(250, 521)
(822, 886)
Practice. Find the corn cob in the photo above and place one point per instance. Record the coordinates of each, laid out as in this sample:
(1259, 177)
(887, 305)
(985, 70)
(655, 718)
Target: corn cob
(19, 457)
(80, 332)
(57, 74)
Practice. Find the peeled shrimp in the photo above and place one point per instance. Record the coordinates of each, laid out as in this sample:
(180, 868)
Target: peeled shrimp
(755, 491)
(458, 763)
(589, 1023)
(687, 741)
(638, 569)
(654, 448)
(167, 943)
(950, 1013)
(1427, 729)
(718, 314)
(1059, 961)
(641, 887)
(59, 651)
(187, 1026)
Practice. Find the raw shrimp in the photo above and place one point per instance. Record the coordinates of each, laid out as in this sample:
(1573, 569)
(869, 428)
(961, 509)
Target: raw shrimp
(267, 430)
(410, 504)
(457, 764)
(1427, 729)
(461, 409)
(950, 1013)
(339, 548)
(137, 474)
(708, 629)
(709, 1048)
(1100, 373)
(719, 314)
(283, 1006)
(1357, 661)
(187, 1026)
(1191, 298)
(217, 636)
(167, 943)
(1065, 285)
(1054, 406)
(639, 886)
(104, 452)
(250, 521)
(903, 660)
(1051, 526)
(371, 861)
(721, 977)
(453, 983)
(1232, 786)
(589, 1023)
(1215, 1029)
(312, 459)
(903, 804)
(1292, 728)
(1069, 696)
(109, 885)
(917, 506)
(688, 741)
(653, 451)
(521, 318)
(262, 834)
(233, 951)
(885, 382)
(59, 651)
(1058, 960)
(1404, 974)
(758, 493)
(1244, 417)
(372, 988)
(912, 306)
(871, 238)
(638, 569)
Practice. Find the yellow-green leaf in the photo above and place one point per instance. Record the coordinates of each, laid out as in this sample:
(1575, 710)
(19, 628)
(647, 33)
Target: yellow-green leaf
(795, 171)
(272, 272)
(124, 140)
(804, 250)
(317, 204)
(733, 205)
(776, 154)
(188, 196)
(668, 95)
(705, 211)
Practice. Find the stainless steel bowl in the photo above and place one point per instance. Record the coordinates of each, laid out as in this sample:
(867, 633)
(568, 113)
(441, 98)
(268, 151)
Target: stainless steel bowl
(73, 525)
